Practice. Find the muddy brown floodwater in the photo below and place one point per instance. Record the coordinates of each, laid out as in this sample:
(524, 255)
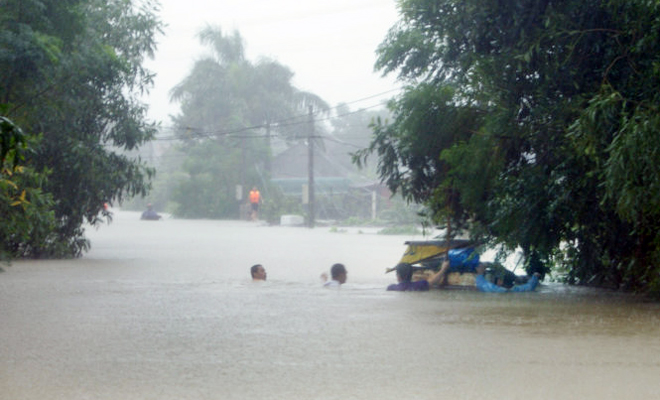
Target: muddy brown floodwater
(166, 310)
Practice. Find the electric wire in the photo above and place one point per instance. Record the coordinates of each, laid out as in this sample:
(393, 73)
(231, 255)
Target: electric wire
(300, 119)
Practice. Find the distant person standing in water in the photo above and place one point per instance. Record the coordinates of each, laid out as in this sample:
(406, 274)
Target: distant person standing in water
(150, 214)
(338, 274)
(258, 273)
(255, 199)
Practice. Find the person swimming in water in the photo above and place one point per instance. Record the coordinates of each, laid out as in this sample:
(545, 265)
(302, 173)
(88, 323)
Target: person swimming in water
(150, 214)
(404, 272)
(338, 274)
(484, 285)
(258, 273)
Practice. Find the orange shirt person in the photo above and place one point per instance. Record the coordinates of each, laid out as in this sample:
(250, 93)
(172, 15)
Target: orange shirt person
(255, 199)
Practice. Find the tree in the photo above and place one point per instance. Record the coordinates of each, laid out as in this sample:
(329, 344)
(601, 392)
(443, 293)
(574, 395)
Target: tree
(25, 211)
(555, 151)
(230, 108)
(72, 72)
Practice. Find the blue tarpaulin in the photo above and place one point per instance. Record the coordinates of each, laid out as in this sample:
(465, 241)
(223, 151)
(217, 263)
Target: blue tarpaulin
(463, 259)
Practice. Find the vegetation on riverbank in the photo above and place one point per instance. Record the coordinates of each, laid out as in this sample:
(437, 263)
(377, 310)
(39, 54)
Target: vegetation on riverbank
(532, 125)
(72, 72)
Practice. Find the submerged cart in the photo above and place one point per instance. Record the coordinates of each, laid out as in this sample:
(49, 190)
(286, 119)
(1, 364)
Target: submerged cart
(426, 257)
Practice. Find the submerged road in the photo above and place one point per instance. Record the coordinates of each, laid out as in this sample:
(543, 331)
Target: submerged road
(165, 310)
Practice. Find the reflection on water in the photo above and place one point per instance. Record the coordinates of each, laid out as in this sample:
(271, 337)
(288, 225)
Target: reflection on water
(166, 310)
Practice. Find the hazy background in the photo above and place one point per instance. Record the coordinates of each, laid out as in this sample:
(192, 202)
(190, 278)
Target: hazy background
(330, 46)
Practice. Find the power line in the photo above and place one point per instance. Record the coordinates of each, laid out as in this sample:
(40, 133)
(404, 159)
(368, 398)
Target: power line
(296, 120)
(372, 96)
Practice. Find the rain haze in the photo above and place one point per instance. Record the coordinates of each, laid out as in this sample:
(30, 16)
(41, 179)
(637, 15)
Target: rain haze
(329, 46)
(166, 308)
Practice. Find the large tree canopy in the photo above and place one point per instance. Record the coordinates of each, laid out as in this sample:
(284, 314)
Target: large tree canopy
(230, 108)
(533, 124)
(71, 74)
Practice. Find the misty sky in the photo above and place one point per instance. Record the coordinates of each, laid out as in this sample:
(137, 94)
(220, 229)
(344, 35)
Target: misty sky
(328, 44)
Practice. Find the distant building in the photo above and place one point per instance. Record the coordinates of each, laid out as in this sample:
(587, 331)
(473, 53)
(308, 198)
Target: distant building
(339, 186)
(289, 171)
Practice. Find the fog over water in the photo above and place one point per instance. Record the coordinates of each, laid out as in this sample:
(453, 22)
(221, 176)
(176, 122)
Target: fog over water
(166, 310)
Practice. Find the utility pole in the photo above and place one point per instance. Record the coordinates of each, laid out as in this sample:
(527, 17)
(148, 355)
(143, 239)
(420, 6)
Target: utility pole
(242, 177)
(310, 169)
(270, 152)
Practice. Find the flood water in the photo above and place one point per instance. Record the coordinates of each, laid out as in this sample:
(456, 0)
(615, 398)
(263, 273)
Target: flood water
(166, 310)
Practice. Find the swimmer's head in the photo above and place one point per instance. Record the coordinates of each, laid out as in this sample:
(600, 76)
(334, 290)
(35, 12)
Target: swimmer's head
(338, 273)
(404, 272)
(258, 272)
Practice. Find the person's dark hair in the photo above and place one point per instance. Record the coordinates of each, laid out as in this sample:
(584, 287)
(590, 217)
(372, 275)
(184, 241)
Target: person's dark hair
(336, 270)
(254, 269)
(404, 271)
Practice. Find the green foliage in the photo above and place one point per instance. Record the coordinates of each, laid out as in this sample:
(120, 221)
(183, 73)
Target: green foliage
(400, 230)
(12, 142)
(72, 71)
(532, 124)
(426, 120)
(230, 109)
(25, 211)
(275, 204)
(209, 192)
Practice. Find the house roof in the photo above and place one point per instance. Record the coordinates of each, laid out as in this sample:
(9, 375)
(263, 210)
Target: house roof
(293, 164)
